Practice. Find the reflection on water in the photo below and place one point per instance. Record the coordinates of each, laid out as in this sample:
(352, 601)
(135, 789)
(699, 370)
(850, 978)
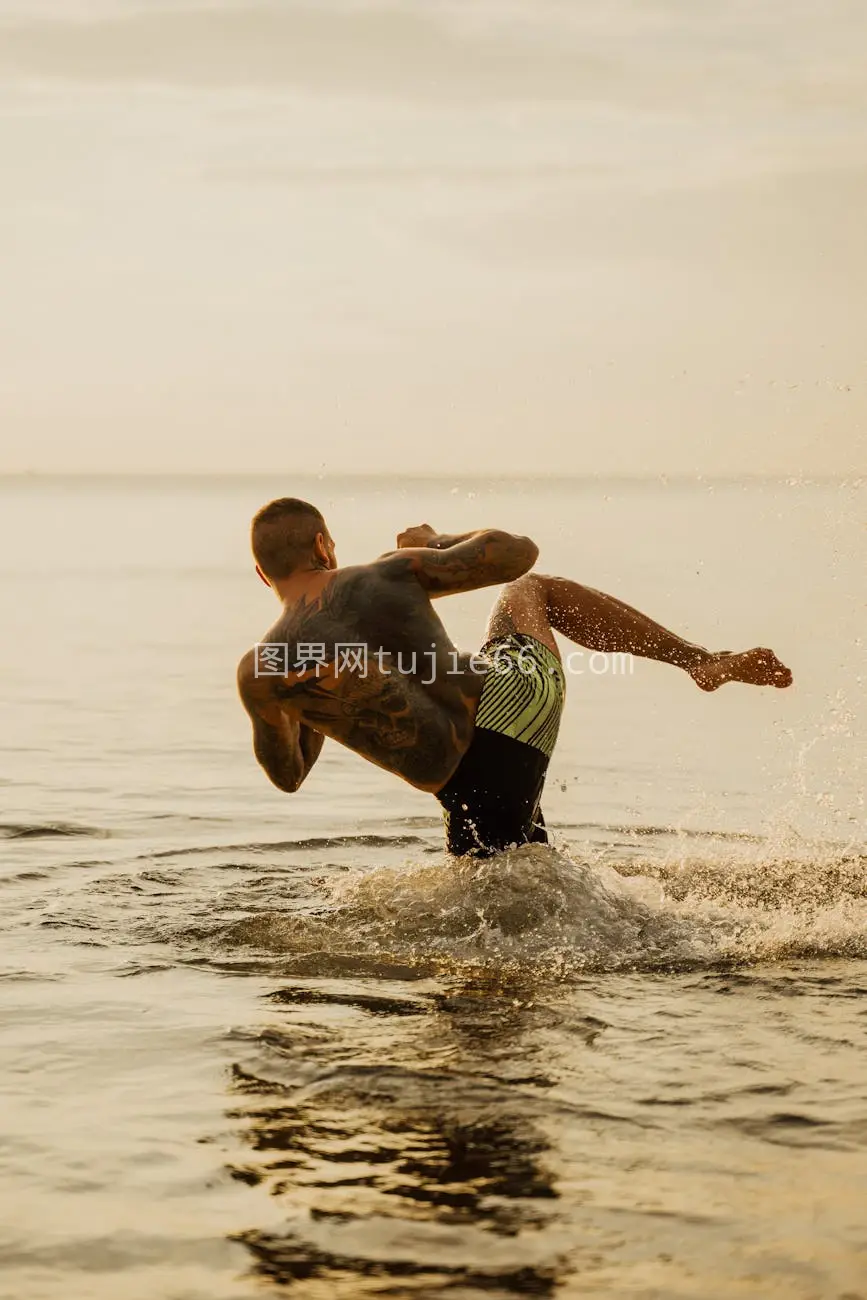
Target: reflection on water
(403, 1168)
(616, 1135)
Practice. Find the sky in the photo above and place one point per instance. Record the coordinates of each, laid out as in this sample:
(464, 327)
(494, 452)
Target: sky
(423, 237)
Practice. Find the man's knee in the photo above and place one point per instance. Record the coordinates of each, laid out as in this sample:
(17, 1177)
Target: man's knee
(531, 590)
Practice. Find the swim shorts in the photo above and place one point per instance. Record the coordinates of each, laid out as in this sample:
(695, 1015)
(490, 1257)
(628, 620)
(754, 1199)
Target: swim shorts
(491, 801)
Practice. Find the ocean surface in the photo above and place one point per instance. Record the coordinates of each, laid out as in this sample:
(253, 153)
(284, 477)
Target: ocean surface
(255, 1043)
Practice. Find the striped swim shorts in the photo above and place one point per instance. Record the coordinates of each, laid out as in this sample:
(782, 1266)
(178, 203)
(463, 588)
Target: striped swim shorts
(492, 800)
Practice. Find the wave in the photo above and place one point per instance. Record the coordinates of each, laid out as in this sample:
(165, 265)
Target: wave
(310, 842)
(39, 830)
(537, 908)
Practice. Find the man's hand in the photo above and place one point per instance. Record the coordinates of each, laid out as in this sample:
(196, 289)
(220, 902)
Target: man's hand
(420, 535)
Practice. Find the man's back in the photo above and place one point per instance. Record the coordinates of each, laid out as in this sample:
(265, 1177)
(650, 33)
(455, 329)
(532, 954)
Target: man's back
(363, 658)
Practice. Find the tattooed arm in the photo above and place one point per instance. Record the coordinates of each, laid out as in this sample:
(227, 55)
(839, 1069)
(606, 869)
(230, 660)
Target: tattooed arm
(445, 564)
(285, 747)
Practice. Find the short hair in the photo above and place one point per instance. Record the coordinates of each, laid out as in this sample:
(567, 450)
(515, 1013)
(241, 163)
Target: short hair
(283, 534)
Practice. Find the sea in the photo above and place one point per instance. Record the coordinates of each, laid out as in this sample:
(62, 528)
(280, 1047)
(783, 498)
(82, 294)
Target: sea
(258, 1044)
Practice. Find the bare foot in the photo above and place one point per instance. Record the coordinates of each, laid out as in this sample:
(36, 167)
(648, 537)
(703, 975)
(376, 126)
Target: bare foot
(758, 667)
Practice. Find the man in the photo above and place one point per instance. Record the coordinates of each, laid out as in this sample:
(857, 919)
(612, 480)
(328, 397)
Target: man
(360, 655)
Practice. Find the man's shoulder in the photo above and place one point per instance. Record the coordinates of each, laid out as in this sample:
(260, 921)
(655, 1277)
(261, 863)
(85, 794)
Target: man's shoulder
(388, 565)
(253, 688)
(356, 584)
(250, 669)
(393, 566)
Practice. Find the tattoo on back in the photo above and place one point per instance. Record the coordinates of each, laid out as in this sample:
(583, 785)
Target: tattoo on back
(387, 715)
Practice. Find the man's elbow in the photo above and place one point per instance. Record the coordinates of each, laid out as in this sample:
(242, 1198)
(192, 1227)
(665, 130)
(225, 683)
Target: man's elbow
(285, 780)
(289, 785)
(519, 554)
(530, 556)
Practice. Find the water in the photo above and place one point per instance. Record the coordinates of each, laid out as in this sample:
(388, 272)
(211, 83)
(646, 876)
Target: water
(253, 1041)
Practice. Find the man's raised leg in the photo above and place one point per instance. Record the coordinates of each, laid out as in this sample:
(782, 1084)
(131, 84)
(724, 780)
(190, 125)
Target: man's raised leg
(535, 604)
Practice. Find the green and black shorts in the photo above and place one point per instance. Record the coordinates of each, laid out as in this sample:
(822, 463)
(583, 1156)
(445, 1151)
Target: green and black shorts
(492, 800)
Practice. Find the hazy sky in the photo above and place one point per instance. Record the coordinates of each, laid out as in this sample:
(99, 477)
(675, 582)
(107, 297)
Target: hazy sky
(480, 236)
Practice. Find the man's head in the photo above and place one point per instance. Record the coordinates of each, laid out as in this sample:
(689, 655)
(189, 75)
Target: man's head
(289, 535)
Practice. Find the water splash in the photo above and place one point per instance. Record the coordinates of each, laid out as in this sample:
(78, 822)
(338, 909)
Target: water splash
(560, 915)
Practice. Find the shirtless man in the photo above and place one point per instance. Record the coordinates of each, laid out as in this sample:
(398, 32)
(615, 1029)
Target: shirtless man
(477, 731)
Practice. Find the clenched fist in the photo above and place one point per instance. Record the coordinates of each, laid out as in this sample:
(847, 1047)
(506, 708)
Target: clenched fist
(420, 535)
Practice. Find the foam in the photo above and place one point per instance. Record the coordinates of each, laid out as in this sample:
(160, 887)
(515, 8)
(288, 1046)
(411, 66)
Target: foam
(561, 914)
